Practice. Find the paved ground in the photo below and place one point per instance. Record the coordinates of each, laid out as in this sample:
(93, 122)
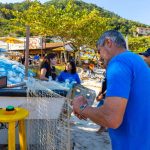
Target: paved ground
(84, 135)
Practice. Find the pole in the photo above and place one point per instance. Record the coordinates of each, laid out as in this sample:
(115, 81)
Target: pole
(41, 43)
(27, 51)
(65, 54)
(127, 42)
(24, 50)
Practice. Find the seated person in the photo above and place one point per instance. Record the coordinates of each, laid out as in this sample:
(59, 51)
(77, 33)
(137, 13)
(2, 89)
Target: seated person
(69, 73)
(47, 67)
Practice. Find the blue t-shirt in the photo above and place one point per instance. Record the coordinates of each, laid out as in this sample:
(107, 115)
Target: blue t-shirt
(71, 77)
(36, 57)
(128, 76)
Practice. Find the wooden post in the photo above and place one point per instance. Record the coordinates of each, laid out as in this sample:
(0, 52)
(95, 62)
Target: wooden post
(27, 51)
(79, 56)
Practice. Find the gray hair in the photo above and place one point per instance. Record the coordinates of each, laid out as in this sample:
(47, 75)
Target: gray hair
(115, 36)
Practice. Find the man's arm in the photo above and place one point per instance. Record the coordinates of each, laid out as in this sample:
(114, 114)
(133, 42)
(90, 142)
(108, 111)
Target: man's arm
(109, 115)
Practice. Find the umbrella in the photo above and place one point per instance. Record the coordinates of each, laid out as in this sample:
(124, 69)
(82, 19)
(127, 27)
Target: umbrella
(10, 40)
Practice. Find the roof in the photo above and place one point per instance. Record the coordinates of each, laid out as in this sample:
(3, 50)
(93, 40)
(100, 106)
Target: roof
(60, 46)
(56, 45)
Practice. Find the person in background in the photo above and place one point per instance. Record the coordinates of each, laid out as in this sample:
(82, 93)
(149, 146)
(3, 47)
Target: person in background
(146, 56)
(71, 58)
(36, 58)
(69, 73)
(126, 110)
(30, 60)
(47, 67)
(102, 93)
(42, 58)
(100, 98)
(91, 68)
(22, 59)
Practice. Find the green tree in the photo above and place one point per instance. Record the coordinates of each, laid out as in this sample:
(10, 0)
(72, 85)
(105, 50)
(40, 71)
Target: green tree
(139, 44)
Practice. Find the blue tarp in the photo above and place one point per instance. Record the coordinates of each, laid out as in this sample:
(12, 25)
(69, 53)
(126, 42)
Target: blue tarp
(13, 70)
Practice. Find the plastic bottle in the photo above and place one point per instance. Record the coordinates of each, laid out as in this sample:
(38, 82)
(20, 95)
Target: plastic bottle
(73, 83)
(49, 78)
(67, 83)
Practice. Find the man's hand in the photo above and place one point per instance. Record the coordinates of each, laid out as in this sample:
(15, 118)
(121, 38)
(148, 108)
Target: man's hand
(77, 102)
(99, 97)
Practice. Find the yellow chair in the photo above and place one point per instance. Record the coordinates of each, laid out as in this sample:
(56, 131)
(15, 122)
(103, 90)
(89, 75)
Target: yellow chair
(11, 117)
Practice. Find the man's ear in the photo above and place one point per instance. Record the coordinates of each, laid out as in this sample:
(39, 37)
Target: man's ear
(108, 43)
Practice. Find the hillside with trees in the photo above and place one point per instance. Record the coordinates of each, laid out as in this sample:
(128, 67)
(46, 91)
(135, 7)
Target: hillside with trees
(74, 20)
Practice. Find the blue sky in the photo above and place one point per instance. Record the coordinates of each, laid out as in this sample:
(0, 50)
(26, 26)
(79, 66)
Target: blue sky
(136, 10)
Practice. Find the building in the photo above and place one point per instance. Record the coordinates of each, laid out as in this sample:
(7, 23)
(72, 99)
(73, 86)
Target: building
(143, 31)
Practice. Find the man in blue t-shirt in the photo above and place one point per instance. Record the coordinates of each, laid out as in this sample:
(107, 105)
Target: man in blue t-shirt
(126, 110)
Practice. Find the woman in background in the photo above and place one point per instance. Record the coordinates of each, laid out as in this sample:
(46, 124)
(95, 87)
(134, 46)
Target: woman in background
(69, 73)
(47, 67)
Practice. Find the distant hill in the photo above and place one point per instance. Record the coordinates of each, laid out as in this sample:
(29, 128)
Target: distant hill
(82, 5)
(117, 22)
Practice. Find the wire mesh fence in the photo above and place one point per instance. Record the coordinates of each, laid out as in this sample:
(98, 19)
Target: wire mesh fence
(48, 123)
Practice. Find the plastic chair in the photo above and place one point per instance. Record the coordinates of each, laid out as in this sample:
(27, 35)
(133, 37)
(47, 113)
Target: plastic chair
(11, 117)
